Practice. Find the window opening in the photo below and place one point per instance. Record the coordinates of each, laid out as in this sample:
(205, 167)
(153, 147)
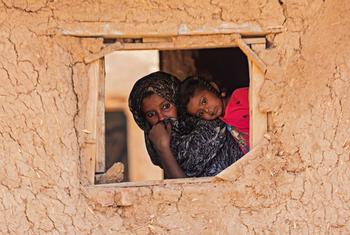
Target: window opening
(203, 55)
(226, 66)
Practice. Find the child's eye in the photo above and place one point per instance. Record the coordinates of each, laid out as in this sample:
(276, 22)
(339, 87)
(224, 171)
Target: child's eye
(203, 101)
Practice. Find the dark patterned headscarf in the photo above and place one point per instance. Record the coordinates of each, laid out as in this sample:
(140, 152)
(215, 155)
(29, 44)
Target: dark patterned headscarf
(163, 84)
(201, 148)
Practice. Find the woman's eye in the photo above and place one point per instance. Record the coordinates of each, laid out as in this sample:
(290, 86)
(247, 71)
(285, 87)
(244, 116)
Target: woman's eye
(149, 114)
(203, 100)
(166, 106)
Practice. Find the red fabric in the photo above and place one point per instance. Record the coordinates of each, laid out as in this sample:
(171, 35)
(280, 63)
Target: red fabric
(237, 112)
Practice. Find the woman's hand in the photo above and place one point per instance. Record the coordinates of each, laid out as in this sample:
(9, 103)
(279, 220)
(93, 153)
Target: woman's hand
(160, 136)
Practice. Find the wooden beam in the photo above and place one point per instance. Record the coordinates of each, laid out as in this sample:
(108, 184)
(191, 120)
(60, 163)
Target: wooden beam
(257, 40)
(157, 182)
(251, 54)
(100, 166)
(90, 147)
(177, 42)
(107, 30)
(156, 39)
(258, 120)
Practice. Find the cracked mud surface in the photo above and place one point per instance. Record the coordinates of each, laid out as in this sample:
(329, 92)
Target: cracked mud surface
(296, 184)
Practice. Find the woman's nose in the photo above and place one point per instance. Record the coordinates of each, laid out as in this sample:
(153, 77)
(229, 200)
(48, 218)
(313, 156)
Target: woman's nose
(161, 117)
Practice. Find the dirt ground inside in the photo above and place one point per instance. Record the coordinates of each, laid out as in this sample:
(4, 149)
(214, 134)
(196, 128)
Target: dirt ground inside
(297, 183)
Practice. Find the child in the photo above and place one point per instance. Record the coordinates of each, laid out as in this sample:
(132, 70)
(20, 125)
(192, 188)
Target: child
(203, 99)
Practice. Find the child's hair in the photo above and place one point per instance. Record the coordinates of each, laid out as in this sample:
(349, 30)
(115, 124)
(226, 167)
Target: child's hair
(189, 86)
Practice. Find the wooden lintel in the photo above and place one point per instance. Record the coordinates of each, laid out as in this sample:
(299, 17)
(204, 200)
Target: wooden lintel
(177, 42)
(244, 30)
(257, 40)
(156, 39)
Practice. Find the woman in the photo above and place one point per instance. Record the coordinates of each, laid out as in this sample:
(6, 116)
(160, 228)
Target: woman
(181, 145)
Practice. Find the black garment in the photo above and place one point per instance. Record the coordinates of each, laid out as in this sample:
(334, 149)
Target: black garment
(206, 150)
(201, 148)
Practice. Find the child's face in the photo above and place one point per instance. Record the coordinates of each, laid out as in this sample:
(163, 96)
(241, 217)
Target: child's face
(205, 105)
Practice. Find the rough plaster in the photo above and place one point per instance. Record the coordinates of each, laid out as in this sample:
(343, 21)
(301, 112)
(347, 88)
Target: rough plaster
(296, 183)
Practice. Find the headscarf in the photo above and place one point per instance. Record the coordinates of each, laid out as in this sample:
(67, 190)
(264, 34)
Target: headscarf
(201, 148)
(160, 83)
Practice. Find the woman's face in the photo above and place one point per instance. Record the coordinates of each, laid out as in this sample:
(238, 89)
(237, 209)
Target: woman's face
(156, 109)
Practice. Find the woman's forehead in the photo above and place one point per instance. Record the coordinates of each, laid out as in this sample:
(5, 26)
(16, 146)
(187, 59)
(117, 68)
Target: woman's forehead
(152, 101)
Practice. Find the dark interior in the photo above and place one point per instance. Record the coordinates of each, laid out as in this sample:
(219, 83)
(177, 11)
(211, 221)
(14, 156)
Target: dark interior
(227, 66)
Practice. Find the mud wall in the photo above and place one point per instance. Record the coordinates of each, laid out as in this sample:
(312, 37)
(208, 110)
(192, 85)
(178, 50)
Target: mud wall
(297, 183)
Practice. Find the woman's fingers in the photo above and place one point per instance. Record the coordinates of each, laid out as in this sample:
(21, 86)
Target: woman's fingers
(159, 127)
(160, 134)
(159, 131)
(168, 127)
